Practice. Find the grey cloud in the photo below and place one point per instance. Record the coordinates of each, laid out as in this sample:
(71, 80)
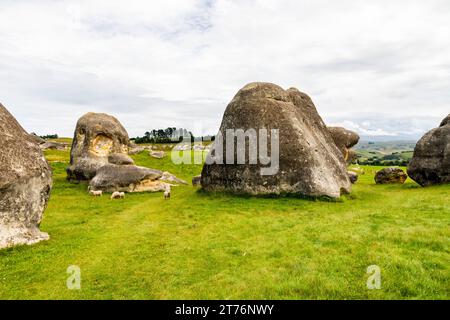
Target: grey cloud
(180, 63)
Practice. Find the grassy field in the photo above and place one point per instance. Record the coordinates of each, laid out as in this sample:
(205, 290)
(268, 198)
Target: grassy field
(385, 152)
(216, 246)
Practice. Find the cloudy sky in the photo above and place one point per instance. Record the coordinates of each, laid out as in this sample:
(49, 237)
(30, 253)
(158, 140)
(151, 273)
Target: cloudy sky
(381, 67)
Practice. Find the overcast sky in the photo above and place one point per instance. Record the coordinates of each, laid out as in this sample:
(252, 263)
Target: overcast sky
(378, 67)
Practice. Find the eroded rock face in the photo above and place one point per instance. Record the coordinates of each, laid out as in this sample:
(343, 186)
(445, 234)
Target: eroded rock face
(345, 140)
(353, 176)
(112, 178)
(25, 184)
(309, 161)
(390, 176)
(120, 159)
(430, 164)
(97, 136)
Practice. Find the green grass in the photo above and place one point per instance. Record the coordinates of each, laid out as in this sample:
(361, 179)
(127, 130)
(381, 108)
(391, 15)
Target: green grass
(217, 246)
(62, 140)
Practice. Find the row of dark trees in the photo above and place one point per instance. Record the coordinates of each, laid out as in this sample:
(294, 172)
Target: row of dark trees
(381, 162)
(169, 135)
(50, 136)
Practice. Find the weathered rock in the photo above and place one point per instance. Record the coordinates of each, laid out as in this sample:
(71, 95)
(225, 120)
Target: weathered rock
(157, 154)
(51, 145)
(445, 122)
(97, 135)
(353, 176)
(136, 150)
(345, 139)
(352, 156)
(25, 184)
(111, 178)
(167, 176)
(120, 159)
(34, 137)
(196, 181)
(390, 176)
(430, 164)
(309, 161)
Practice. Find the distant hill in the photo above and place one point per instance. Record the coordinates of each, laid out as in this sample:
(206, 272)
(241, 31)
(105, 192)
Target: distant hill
(386, 153)
(409, 138)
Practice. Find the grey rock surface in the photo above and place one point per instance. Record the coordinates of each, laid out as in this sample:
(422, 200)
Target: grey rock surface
(120, 159)
(309, 161)
(345, 140)
(111, 178)
(430, 164)
(353, 176)
(25, 184)
(390, 175)
(97, 135)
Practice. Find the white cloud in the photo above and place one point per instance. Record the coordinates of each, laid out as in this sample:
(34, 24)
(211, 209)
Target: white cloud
(364, 129)
(167, 63)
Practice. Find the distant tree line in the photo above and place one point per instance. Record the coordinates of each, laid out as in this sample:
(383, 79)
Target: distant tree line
(170, 135)
(50, 136)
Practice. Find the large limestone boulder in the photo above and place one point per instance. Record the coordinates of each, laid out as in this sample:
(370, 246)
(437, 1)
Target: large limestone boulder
(97, 136)
(25, 184)
(309, 161)
(345, 140)
(111, 178)
(430, 164)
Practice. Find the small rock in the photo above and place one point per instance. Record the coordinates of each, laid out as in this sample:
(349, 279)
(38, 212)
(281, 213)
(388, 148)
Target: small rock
(196, 181)
(51, 145)
(390, 176)
(167, 176)
(136, 150)
(157, 154)
(353, 176)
